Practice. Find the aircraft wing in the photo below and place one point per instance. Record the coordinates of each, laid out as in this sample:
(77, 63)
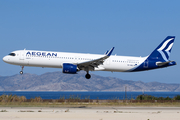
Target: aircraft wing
(89, 65)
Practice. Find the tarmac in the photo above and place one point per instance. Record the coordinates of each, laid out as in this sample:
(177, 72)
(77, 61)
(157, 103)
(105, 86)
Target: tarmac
(90, 113)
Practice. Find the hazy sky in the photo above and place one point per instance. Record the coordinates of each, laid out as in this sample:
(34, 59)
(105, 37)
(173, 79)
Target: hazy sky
(133, 27)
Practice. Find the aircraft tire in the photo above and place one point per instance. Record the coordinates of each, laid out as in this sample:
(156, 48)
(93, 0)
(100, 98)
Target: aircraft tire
(88, 76)
(21, 72)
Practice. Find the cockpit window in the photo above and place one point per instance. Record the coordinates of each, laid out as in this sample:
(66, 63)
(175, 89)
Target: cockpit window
(12, 54)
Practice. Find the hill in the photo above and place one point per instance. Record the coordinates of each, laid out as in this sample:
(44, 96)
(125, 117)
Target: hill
(57, 81)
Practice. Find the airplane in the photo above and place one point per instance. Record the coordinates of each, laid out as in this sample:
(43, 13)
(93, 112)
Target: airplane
(71, 63)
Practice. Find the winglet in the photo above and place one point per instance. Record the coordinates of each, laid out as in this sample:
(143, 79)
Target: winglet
(108, 53)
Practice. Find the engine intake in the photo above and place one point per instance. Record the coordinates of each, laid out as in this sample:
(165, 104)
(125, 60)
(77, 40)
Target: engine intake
(69, 68)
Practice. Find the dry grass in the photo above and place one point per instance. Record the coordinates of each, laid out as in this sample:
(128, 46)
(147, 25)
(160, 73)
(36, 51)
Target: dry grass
(21, 101)
(82, 105)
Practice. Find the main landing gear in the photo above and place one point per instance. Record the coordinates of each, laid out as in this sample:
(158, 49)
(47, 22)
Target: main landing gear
(88, 76)
(21, 72)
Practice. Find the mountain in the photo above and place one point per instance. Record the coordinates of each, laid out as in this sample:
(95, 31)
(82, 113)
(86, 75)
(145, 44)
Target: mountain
(57, 81)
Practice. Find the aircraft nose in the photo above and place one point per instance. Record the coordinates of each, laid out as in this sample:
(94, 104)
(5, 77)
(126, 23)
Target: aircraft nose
(5, 59)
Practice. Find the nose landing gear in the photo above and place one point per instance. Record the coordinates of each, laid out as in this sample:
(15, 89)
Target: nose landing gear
(21, 72)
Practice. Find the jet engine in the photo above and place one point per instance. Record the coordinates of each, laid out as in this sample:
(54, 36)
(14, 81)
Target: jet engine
(69, 68)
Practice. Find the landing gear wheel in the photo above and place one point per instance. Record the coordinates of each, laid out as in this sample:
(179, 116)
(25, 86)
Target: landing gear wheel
(21, 72)
(88, 76)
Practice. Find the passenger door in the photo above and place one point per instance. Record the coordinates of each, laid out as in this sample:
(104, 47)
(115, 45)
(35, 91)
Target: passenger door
(21, 55)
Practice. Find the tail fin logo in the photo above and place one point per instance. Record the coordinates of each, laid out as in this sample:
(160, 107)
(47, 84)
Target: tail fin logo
(165, 49)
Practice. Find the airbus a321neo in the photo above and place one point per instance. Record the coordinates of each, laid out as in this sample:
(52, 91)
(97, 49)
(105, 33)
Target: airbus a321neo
(73, 62)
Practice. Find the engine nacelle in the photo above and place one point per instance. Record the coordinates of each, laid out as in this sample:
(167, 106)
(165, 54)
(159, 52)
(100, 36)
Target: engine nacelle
(69, 68)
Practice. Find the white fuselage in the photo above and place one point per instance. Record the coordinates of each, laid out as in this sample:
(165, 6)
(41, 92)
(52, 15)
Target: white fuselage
(56, 59)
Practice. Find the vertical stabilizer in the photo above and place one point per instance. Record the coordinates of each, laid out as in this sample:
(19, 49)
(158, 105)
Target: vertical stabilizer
(162, 52)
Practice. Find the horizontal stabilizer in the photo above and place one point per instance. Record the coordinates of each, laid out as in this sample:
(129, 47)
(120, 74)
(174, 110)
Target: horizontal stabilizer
(165, 63)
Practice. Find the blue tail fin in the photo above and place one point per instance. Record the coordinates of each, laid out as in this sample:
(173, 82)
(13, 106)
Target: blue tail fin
(162, 52)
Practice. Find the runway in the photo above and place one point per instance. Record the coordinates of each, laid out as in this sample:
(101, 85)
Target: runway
(90, 113)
